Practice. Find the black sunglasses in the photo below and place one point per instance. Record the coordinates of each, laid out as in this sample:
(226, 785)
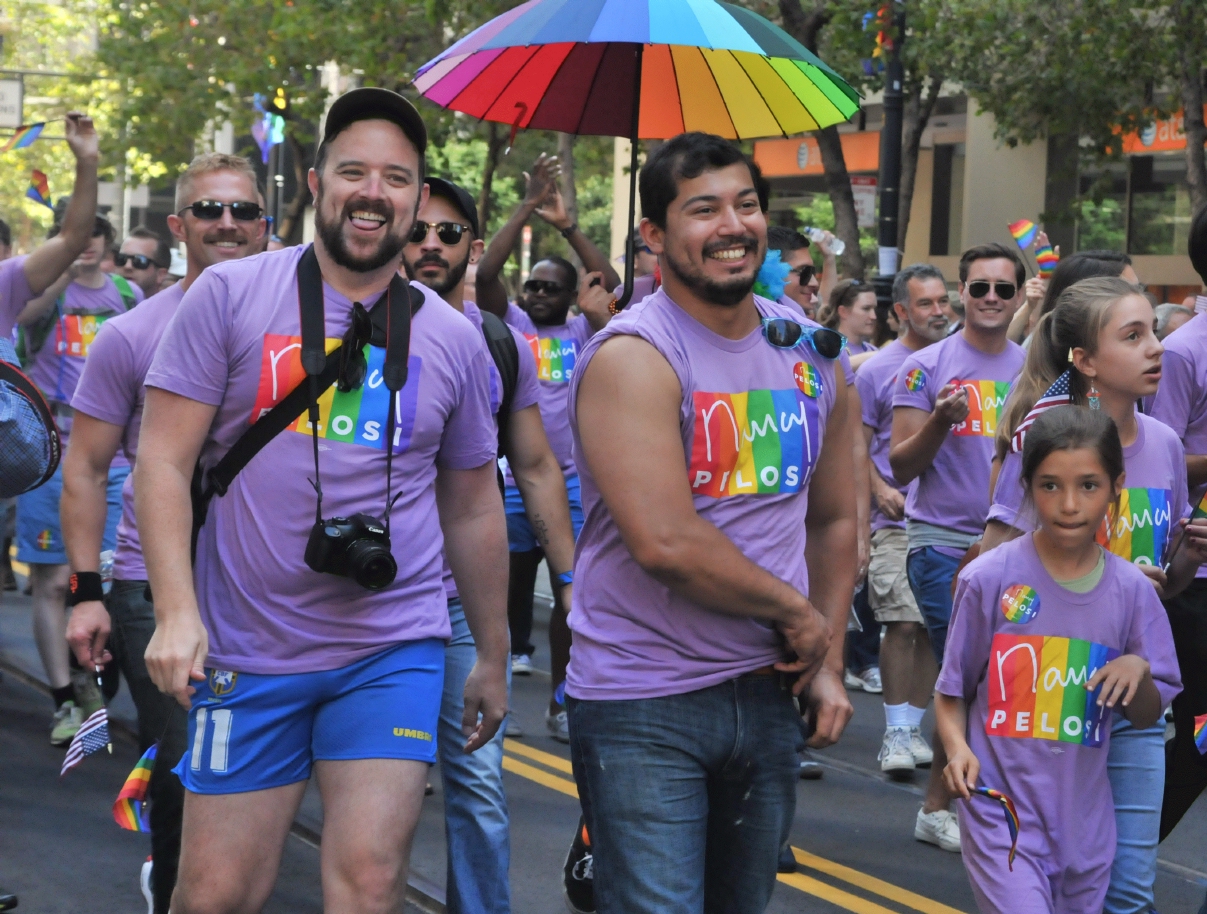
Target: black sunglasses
(979, 288)
(805, 273)
(783, 333)
(352, 365)
(211, 210)
(448, 232)
(538, 286)
(139, 261)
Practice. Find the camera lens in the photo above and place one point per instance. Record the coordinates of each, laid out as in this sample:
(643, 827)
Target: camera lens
(370, 564)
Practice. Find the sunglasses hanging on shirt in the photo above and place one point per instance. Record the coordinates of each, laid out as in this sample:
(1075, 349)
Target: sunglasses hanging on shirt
(783, 333)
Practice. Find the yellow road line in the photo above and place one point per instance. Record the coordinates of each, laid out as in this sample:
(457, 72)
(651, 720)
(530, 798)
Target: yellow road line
(872, 884)
(552, 781)
(835, 896)
(548, 759)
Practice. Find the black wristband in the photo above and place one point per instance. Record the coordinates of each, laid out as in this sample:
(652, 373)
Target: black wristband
(83, 587)
(569, 230)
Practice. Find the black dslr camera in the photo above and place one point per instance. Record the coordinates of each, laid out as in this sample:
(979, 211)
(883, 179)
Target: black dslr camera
(356, 547)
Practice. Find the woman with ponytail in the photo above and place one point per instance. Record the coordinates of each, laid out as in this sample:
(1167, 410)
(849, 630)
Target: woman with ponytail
(1097, 349)
(851, 311)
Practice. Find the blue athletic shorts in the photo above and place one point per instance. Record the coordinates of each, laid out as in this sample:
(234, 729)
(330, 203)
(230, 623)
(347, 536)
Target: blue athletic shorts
(39, 535)
(252, 731)
(520, 535)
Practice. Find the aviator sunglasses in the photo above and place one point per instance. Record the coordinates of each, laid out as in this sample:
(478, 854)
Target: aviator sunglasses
(543, 286)
(448, 232)
(211, 210)
(138, 261)
(783, 333)
(979, 288)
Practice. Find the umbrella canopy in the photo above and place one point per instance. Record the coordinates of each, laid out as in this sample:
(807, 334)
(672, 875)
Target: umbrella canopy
(594, 67)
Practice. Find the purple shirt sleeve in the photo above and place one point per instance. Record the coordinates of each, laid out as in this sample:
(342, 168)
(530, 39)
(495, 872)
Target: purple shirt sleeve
(14, 292)
(969, 640)
(527, 389)
(192, 358)
(1150, 637)
(1008, 503)
(469, 439)
(915, 387)
(1177, 393)
(104, 391)
(518, 318)
(844, 359)
(864, 382)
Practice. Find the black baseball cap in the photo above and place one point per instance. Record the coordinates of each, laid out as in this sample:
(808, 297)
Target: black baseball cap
(459, 197)
(367, 104)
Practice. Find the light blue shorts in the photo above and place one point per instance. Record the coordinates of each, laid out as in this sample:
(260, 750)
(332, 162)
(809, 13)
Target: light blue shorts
(39, 534)
(251, 731)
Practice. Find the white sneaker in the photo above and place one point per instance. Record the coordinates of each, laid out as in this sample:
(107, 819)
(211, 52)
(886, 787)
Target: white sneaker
(895, 753)
(851, 681)
(521, 664)
(940, 828)
(144, 882)
(559, 725)
(66, 721)
(870, 678)
(923, 754)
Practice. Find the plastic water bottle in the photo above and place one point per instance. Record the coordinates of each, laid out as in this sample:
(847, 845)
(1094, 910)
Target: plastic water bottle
(107, 570)
(816, 235)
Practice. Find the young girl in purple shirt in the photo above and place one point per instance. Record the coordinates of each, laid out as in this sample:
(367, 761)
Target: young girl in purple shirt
(1051, 633)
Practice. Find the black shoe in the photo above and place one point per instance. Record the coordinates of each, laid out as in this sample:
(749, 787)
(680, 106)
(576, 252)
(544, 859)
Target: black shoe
(7, 901)
(578, 878)
(10, 579)
(810, 768)
(787, 862)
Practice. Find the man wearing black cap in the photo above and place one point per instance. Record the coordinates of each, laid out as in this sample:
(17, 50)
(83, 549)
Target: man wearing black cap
(287, 659)
(442, 245)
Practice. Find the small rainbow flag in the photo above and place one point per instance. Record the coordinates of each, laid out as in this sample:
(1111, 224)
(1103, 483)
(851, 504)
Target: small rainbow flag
(1200, 734)
(39, 189)
(1023, 232)
(130, 808)
(24, 136)
(1011, 817)
(1047, 259)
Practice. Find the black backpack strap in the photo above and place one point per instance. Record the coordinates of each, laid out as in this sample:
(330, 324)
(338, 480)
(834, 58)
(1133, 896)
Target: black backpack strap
(11, 374)
(505, 352)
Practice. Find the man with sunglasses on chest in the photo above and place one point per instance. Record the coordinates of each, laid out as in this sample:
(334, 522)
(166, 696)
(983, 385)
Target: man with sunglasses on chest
(310, 636)
(108, 407)
(712, 579)
(143, 260)
(947, 399)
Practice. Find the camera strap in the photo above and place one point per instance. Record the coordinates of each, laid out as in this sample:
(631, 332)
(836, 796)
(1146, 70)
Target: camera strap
(392, 334)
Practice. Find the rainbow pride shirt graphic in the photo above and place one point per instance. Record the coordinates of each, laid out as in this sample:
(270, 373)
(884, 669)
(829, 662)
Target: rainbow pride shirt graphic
(986, 403)
(1037, 689)
(357, 416)
(75, 333)
(762, 442)
(1137, 529)
(555, 358)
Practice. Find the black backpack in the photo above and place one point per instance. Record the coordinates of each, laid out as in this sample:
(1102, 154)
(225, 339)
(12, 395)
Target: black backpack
(506, 354)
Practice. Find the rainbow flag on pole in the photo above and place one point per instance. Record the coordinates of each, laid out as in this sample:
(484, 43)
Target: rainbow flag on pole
(130, 809)
(39, 189)
(24, 136)
(1023, 232)
(1012, 822)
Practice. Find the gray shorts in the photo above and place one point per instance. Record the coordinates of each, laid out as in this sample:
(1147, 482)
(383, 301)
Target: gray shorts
(889, 592)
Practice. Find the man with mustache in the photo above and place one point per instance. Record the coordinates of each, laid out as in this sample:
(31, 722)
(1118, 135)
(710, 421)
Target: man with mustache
(288, 669)
(714, 580)
(443, 244)
(219, 217)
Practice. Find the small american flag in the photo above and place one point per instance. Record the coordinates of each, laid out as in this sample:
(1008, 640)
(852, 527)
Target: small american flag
(1058, 395)
(93, 736)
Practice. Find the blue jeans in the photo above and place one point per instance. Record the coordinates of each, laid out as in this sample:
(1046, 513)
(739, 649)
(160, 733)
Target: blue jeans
(1136, 765)
(475, 807)
(930, 576)
(688, 798)
(863, 647)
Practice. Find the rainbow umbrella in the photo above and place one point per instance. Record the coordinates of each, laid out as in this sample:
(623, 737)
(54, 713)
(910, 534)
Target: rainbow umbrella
(643, 69)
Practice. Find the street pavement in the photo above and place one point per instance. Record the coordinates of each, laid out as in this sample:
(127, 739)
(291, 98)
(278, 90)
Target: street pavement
(853, 832)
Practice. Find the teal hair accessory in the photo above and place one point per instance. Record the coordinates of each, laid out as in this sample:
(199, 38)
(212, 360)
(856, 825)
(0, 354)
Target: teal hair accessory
(770, 281)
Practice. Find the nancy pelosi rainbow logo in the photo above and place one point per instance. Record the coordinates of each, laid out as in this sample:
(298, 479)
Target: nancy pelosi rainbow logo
(75, 333)
(1037, 688)
(807, 379)
(357, 416)
(986, 402)
(1138, 526)
(1020, 604)
(915, 380)
(555, 358)
(762, 442)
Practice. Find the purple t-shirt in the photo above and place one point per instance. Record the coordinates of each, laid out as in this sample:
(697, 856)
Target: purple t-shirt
(111, 389)
(235, 344)
(953, 492)
(643, 286)
(1153, 501)
(15, 293)
(875, 382)
(752, 420)
(556, 350)
(57, 366)
(1018, 651)
(527, 393)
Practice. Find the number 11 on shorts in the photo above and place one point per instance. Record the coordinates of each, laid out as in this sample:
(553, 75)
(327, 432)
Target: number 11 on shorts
(219, 744)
